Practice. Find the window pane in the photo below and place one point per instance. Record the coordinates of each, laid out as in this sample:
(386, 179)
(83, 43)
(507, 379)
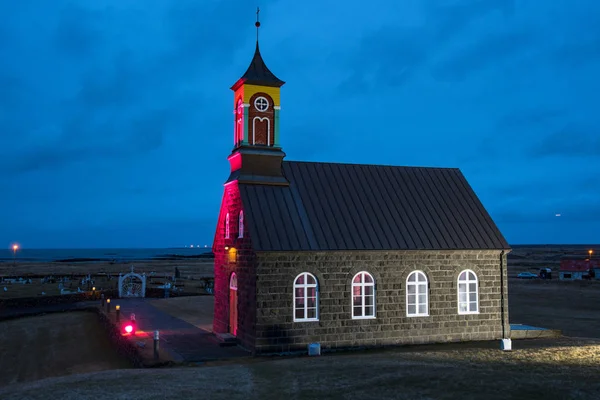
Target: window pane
(411, 299)
(358, 311)
(462, 297)
(422, 309)
(462, 288)
(369, 311)
(310, 280)
(357, 300)
(368, 278)
(412, 277)
(299, 293)
(422, 298)
(421, 278)
(356, 290)
(472, 296)
(473, 306)
(422, 289)
(312, 313)
(412, 289)
(472, 276)
(412, 309)
(369, 290)
(311, 302)
(311, 292)
(299, 313)
(472, 287)
(300, 280)
(356, 279)
(369, 300)
(462, 307)
(462, 276)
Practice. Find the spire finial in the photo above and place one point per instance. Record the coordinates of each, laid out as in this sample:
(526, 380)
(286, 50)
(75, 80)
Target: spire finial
(257, 24)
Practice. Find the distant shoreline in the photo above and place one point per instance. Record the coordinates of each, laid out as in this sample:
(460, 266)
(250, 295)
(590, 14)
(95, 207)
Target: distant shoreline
(114, 260)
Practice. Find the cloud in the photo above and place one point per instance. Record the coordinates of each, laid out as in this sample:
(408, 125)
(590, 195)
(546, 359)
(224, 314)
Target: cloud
(487, 52)
(571, 141)
(453, 18)
(389, 56)
(530, 117)
(79, 34)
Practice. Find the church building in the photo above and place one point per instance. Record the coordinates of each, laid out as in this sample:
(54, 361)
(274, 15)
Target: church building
(347, 255)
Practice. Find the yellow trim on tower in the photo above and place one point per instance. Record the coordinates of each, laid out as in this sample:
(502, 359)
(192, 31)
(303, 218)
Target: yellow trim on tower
(251, 90)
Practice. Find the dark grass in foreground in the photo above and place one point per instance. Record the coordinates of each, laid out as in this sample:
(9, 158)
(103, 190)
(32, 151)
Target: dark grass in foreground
(37, 347)
(551, 369)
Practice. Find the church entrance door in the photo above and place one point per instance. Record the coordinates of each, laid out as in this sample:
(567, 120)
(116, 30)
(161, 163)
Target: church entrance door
(233, 304)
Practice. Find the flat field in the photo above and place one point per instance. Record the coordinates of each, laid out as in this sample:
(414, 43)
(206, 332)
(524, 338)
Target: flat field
(571, 306)
(191, 272)
(50, 345)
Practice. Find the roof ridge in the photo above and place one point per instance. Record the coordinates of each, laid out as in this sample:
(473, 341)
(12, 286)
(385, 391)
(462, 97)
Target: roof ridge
(370, 165)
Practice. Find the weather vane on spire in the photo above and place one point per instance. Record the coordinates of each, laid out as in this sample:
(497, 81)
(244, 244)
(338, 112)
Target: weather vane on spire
(257, 24)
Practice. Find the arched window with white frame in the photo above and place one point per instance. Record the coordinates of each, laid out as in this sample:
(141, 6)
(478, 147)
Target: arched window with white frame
(227, 226)
(363, 296)
(468, 293)
(241, 225)
(417, 296)
(306, 298)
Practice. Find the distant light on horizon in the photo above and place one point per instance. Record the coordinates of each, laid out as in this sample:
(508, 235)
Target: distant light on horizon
(557, 215)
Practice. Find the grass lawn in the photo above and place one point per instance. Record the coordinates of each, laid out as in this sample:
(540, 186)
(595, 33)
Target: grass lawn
(540, 369)
(53, 345)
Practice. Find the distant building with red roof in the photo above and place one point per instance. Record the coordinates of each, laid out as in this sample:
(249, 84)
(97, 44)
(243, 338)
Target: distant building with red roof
(576, 268)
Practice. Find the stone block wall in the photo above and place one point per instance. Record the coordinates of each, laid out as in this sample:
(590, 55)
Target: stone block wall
(277, 332)
(234, 255)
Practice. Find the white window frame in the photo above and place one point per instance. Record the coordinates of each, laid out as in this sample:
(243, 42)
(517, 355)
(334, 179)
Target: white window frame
(266, 102)
(362, 285)
(233, 283)
(260, 119)
(467, 282)
(305, 286)
(241, 225)
(227, 226)
(417, 284)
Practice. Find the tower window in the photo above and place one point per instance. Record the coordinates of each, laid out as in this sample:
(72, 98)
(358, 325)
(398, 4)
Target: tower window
(241, 225)
(227, 226)
(239, 122)
(261, 104)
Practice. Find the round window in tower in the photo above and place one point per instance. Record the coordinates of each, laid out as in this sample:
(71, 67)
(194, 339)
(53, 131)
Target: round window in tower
(261, 104)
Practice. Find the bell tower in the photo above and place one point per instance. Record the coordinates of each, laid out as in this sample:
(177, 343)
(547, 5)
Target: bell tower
(257, 154)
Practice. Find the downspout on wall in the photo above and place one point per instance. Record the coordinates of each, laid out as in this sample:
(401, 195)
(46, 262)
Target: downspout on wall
(502, 295)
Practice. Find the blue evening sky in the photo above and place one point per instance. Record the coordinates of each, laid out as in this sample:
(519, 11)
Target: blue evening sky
(116, 115)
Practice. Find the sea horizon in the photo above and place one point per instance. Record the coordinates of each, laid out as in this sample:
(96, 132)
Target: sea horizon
(151, 253)
(100, 254)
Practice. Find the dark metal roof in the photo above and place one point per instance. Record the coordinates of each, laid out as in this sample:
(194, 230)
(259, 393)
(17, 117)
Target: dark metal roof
(332, 206)
(258, 73)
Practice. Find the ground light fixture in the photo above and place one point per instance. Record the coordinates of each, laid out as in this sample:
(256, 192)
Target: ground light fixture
(129, 327)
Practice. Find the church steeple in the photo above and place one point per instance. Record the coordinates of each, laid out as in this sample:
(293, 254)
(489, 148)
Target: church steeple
(258, 73)
(257, 155)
